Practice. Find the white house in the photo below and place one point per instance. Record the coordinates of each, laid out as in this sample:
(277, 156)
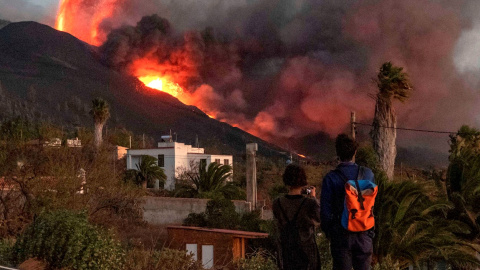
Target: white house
(174, 157)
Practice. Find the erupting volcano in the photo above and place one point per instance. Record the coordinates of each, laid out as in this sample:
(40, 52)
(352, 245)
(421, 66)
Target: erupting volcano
(283, 69)
(73, 18)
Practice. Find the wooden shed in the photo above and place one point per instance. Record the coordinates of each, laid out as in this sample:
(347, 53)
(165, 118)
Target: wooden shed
(211, 246)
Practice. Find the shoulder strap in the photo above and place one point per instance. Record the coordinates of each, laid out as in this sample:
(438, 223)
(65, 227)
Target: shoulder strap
(359, 177)
(360, 173)
(296, 214)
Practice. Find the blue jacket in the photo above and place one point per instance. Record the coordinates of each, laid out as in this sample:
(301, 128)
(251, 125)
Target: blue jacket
(333, 194)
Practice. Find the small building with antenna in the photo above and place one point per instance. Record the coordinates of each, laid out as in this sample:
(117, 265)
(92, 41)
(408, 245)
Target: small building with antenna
(175, 158)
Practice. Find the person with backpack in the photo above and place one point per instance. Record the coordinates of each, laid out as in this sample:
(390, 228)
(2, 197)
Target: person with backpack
(346, 212)
(297, 216)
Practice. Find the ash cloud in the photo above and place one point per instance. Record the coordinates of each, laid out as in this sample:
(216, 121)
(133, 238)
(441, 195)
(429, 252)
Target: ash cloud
(286, 68)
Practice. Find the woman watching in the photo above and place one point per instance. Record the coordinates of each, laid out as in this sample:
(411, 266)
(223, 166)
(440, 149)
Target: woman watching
(297, 216)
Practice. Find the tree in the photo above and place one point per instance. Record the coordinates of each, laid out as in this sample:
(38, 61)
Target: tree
(66, 240)
(392, 84)
(413, 229)
(147, 172)
(209, 182)
(100, 112)
(463, 180)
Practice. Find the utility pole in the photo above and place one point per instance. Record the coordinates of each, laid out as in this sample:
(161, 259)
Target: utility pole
(352, 124)
(252, 148)
(130, 142)
(143, 140)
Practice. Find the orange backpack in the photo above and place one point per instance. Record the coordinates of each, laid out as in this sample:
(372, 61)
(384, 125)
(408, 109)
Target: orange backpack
(360, 196)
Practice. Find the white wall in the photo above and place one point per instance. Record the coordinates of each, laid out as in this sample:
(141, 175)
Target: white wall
(178, 157)
(165, 210)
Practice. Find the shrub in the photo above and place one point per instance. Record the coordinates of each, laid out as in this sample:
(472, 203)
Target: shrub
(277, 191)
(366, 156)
(251, 221)
(166, 259)
(196, 220)
(65, 239)
(221, 214)
(258, 261)
(324, 248)
(6, 248)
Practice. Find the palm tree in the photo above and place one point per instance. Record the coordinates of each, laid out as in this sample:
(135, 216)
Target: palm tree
(392, 84)
(413, 225)
(209, 182)
(413, 229)
(147, 172)
(463, 181)
(100, 112)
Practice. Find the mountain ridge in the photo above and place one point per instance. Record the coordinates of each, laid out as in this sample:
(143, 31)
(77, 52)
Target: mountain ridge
(45, 73)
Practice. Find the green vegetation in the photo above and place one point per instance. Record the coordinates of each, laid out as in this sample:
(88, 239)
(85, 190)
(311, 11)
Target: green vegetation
(420, 221)
(393, 82)
(66, 239)
(257, 261)
(414, 224)
(220, 213)
(211, 182)
(166, 259)
(146, 173)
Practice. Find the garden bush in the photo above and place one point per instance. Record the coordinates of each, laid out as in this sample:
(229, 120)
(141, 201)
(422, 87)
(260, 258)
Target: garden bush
(258, 261)
(6, 248)
(166, 259)
(221, 214)
(65, 239)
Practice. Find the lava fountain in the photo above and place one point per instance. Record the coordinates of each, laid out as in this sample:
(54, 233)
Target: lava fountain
(83, 18)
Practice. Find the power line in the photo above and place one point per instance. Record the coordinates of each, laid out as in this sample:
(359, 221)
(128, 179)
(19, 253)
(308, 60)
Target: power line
(412, 129)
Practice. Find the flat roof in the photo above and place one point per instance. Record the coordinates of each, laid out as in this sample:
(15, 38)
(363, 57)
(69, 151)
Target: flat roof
(170, 147)
(237, 233)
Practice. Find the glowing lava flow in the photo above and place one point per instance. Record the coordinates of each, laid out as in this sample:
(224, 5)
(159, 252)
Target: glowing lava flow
(163, 85)
(83, 19)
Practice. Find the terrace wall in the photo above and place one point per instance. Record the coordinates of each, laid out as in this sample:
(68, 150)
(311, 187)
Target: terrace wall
(167, 210)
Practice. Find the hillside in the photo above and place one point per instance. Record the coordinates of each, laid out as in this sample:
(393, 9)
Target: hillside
(47, 74)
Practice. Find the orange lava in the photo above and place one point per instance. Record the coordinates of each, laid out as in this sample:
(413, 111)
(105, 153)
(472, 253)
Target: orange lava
(82, 20)
(155, 82)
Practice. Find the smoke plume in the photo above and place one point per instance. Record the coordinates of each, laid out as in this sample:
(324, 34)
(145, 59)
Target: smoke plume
(288, 68)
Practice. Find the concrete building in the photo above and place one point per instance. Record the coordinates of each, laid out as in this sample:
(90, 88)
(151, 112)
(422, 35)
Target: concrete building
(174, 158)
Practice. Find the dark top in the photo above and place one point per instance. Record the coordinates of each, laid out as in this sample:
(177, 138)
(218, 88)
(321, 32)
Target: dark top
(308, 218)
(333, 194)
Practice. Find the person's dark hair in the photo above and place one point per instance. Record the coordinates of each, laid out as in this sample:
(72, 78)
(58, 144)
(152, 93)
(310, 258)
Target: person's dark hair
(345, 147)
(294, 176)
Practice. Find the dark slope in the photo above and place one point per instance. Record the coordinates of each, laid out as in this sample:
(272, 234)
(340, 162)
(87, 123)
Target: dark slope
(45, 73)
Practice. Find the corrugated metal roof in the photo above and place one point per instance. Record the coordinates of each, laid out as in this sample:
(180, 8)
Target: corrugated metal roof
(237, 233)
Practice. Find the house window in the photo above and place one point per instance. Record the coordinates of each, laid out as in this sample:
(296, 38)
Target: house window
(192, 249)
(203, 163)
(217, 161)
(226, 162)
(207, 256)
(161, 160)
